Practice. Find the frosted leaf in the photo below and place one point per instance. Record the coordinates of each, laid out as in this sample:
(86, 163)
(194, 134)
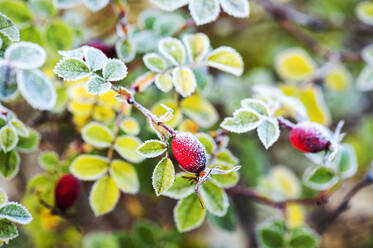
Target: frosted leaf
(94, 58)
(204, 11)
(25, 55)
(236, 8)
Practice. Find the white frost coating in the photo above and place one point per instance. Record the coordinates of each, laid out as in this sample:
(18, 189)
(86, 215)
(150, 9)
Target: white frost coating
(169, 5)
(364, 81)
(95, 5)
(184, 85)
(362, 15)
(13, 218)
(114, 70)
(94, 57)
(239, 126)
(268, 135)
(25, 55)
(153, 154)
(73, 54)
(166, 116)
(97, 86)
(37, 89)
(184, 193)
(226, 68)
(367, 54)
(15, 141)
(249, 102)
(160, 83)
(167, 53)
(151, 66)
(236, 8)
(206, 41)
(95, 143)
(65, 4)
(204, 11)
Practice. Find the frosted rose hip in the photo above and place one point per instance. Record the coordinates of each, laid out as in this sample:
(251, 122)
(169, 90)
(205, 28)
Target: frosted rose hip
(66, 192)
(310, 137)
(189, 152)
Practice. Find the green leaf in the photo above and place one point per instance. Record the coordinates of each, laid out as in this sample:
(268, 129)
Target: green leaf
(114, 70)
(104, 196)
(204, 11)
(146, 41)
(226, 59)
(228, 222)
(258, 105)
(89, 167)
(225, 180)
(8, 138)
(29, 143)
(16, 10)
(207, 141)
(3, 197)
(268, 132)
(347, 161)
(173, 50)
(169, 5)
(19, 127)
(236, 8)
(25, 55)
(95, 5)
(188, 213)
(94, 58)
(272, 234)
(163, 81)
(71, 69)
(199, 110)
(126, 146)
(59, 35)
(197, 46)
(168, 24)
(181, 187)
(126, 50)
(163, 176)
(214, 198)
(77, 53)
(243, 120)
(154, 62)
(152, 148)
(42, 8)
(97, 86)
(32, 34)
(125, 176)
(9, 164)
(8, 230)
(225, 156)
(8, 28)
(184, 81)
(130, 126)
(8, 83)
(37, 89)
(49, 160)
(321, 178)
(15, 212)
(303, 237)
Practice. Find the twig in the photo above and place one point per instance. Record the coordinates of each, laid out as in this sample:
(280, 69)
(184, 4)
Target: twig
(115, 132)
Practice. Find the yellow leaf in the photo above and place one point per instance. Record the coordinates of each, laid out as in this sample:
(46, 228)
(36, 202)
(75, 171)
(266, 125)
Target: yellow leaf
(295, 64)
(158, 110)
(226, 59)
(338, 78)
(81, 109)
(130, 126)
(285, 182)
(125, 176)
(126, 146)
(103, 114)
(188, 126)
(104, 196)
(295, 215)
(199, 110)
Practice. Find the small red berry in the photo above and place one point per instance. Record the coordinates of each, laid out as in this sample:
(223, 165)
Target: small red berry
(310, 136)
(189, 152)
(105, 48)
(66, 192)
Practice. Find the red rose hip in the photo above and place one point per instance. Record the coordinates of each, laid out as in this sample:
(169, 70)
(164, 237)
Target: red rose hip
(310, 136)
(66, 192)
(189, 152)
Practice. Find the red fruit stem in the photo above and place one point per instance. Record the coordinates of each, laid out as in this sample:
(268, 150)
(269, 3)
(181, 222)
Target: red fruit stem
(284, 123)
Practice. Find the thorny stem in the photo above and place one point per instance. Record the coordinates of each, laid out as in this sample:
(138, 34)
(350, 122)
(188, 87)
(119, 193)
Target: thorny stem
(344, 205)
(284, 123)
